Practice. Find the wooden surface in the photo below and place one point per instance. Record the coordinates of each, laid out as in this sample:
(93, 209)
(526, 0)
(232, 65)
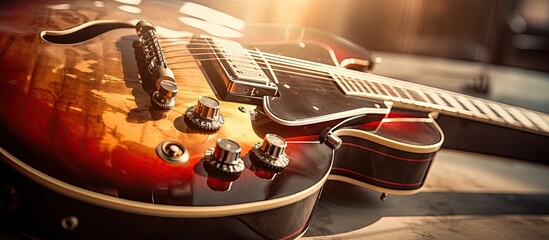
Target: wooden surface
(466, 196)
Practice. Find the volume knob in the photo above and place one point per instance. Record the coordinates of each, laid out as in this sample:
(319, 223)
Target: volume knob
(207, 108)
(225, 157)
(205, 114)
(271, 152)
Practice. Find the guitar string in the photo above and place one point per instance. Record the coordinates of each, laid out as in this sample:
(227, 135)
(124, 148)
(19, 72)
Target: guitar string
(388, 81)
(320, 69)
(256, 56)
(382, 81)
(326, 76)
(313, 66)
(324, 68)
(320, 74)
(378, 94)
(309, 66)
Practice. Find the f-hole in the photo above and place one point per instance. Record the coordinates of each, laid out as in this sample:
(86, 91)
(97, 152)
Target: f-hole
(83, 32)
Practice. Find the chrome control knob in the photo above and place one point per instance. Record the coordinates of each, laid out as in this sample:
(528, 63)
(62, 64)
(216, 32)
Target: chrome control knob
(225, 157)
(164, 98)
(271, 152)
(207, 108)
(205, 114)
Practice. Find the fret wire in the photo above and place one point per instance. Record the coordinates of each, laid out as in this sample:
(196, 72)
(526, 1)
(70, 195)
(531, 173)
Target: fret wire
(424, 96)
(338, 81)
(332, 70)
(358, 83)
(537, 119)
(366, 86)
(414, 94)
(502, 113)
(378, 86)
(437, 99)
(391, 91)
(520, 117)
(343, 82)
(482, 106)
(452, 101)
(395, 91)
(352, 84)
(403, 93)
(408, 93)
(381, 85)
(373, 87)
(469, 105)
(431, 99)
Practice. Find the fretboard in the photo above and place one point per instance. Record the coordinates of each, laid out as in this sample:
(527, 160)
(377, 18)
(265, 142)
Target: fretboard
(410, 95)
(401, 93)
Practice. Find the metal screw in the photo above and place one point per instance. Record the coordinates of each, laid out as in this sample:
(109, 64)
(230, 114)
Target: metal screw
(383, 196)
(69, 222)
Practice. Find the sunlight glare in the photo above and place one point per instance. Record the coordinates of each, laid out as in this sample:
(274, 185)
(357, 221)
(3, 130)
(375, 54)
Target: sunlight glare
(212, 15)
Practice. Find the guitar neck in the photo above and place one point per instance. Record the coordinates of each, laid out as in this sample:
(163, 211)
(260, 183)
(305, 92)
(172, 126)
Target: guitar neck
(411, 95)
(404, 94)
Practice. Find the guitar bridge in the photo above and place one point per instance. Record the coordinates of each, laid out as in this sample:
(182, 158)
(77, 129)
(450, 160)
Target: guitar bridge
(239, 76)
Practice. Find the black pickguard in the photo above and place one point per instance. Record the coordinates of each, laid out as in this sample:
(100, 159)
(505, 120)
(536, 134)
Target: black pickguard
(303, 97)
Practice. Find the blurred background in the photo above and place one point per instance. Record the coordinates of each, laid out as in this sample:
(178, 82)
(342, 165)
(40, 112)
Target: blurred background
(507, 32)
(495, 49)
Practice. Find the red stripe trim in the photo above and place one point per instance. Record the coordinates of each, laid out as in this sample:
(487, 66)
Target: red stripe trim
(378, 180)
(388, 155)
(293, 234)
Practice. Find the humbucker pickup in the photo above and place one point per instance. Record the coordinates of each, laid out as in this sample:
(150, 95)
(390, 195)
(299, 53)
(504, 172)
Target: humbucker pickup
(242, 76)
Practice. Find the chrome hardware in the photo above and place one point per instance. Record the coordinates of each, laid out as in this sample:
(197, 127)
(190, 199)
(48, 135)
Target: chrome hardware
(225, 157)
(271, 152)
(361, 64)
(383, 196)
(164, 98)
(330, 139)
(69, 222)
(172, 152)
(333, 141)
(240, 63)
(207, 108)
(157, 65)
(205, 114)
(242, 75)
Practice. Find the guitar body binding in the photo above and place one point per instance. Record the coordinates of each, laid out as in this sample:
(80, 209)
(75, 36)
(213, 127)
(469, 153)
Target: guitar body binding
(79, 135)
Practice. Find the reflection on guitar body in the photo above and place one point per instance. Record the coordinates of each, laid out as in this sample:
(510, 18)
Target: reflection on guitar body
(198, 125)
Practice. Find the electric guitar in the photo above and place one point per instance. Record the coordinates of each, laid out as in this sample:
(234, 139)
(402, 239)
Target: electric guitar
(130, 119)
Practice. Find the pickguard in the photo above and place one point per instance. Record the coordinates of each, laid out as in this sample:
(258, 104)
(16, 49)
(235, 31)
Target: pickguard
(303, 96)
(307, 98)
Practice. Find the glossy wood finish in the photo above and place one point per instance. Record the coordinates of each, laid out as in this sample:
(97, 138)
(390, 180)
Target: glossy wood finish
(40, 211)
(378, 156)
(81, 113)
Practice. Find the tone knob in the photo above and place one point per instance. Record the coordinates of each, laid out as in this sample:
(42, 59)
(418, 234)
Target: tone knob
(205, 114)
(207, 108)
(271, 152)
(225, 157)
(164, 98)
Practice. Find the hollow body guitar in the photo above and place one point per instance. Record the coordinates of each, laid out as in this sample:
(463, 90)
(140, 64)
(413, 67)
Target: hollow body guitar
(115, 127)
